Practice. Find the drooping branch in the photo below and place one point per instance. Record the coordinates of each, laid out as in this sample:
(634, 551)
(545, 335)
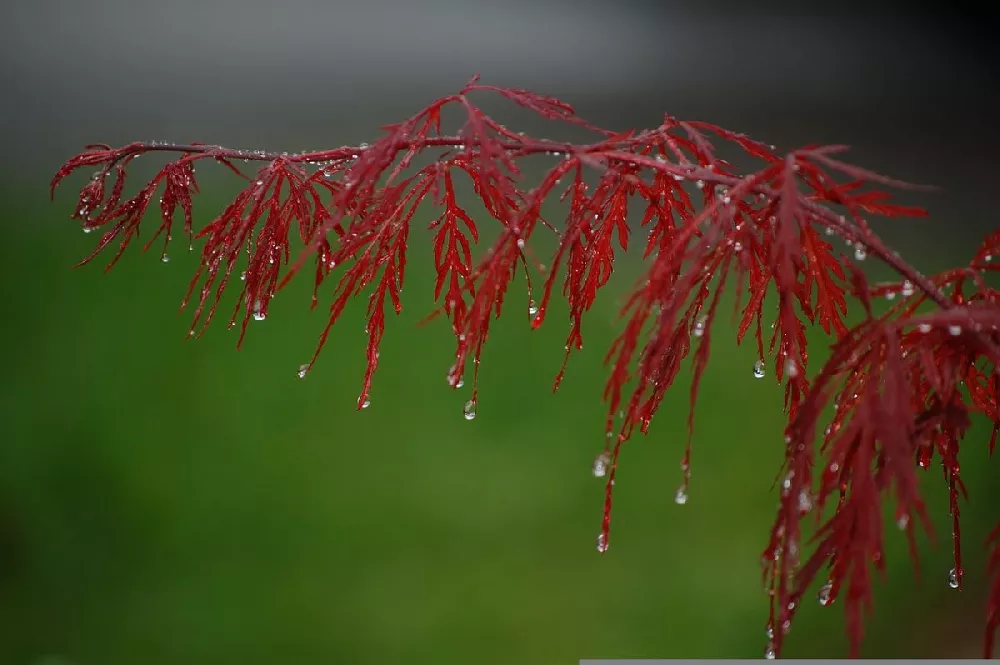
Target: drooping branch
(895, 379)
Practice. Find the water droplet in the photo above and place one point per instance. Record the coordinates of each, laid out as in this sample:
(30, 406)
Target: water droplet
(243, 276)
(602, 543)
(165, 258)
(824, 594)
(88, 229)
(532, 308)
(903, 522)
(924, 327)
(758, 369)
(469, 411)
(890, 295)
(805, 502)
(601, 462)
(953, 578)
(258, 314)
(955, 331)
(738, 247)
(860, 254)
(303, 370)
(769, 652)
(791, 368)
(699, 327)
(907, 288)
(520, 243)
(681, 497)
(699, 184)
(364, 404)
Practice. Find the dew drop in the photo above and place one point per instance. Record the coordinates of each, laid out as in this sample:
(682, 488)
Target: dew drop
(769, 631)
(791, 368)
(805, 502)
(258, 315)
(955, 331)
(532, 308)
(953, 578)
(602, 543)
(680, 497)
(907, 288)
(469, 411)
(600, 467)
(859, 252)
(364, 404)
(738, 247)
(699, 184)
(758, 369)
(303, 370)
(769, 652)
(903, 522)
(890, 295)
(88, 229)
(243, 276)
(699, 327)
(825, 593)
(165, 258)
(924, 327)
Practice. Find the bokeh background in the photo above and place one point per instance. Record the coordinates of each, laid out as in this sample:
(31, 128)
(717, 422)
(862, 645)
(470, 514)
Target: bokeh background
(168, 502)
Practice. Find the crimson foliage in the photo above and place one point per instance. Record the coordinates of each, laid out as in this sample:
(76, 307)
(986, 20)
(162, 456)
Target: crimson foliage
(903, 384)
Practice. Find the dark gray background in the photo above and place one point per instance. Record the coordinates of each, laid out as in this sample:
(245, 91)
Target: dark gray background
(914, 89)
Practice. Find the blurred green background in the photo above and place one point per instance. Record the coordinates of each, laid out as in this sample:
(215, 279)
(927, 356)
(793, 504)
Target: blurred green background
(171, 501)
(167, 501)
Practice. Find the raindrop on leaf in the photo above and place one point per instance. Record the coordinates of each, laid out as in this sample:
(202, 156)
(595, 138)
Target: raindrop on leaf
(825, 592)
(699, 327)
(953, 578)
(758, 369)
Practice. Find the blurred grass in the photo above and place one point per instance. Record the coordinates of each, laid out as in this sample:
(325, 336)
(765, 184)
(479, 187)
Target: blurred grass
(172, 501)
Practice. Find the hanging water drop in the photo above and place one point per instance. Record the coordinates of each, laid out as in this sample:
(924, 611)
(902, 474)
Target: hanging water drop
(907, 290)
(303, 370)
(258, 314)
(532, 308)
(924, 327)
(769, 652)
(859, 252)
(699, 327)
(681, 497)
(601, 462)
(825, 594)
(364, 404)
(954, 331)
(953, 581)
(699, 184)
(758, 369)
(602, 543)
(469, 411)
